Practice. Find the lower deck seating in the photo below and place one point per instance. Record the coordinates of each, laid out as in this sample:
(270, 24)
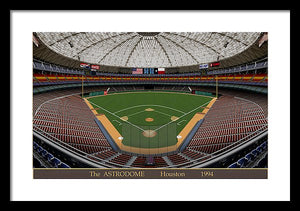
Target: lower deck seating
(177, 159)
(229, 121)
(65, 118)
(140, 162)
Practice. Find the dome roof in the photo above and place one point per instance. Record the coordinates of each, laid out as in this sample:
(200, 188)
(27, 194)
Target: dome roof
(148, 49)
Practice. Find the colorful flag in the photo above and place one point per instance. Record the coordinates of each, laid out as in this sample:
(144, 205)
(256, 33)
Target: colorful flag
(137, 71)
(161, 70)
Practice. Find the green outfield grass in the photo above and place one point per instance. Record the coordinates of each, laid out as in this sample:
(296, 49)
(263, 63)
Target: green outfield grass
(134, 113)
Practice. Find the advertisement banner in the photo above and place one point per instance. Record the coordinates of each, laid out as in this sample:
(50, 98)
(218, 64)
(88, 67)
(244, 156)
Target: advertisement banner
(95, 67)
(203, 66)
(85, 65)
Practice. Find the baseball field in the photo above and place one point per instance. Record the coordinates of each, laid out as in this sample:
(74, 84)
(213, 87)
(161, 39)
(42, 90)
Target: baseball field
(149, 119)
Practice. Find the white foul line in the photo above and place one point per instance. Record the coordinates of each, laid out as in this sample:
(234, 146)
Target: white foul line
(162, 113)
(117, 116)
(181, 116)
(181, 121)
(117, 122)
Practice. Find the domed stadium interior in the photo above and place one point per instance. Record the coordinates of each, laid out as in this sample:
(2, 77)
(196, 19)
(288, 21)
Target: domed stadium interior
(150, 99)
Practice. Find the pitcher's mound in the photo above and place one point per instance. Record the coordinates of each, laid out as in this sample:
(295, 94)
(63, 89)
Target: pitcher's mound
(174, 118)
(124, 118)
(149, 109)
(149, 119)
(149, 133)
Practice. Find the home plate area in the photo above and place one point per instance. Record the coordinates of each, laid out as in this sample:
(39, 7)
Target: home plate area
(149, 133)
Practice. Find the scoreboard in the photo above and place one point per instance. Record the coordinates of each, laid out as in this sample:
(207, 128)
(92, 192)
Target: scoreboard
(148, 71)
(214, 64)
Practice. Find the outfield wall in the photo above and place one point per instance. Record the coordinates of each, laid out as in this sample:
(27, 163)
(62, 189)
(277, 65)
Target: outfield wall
(51, 86)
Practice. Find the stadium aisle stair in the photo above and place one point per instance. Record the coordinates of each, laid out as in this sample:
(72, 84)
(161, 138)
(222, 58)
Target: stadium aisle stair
(185, 156)
(113, 156)
(131, 160)
(168, 161)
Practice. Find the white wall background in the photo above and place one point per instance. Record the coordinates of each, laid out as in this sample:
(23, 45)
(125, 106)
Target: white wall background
(276, 187)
